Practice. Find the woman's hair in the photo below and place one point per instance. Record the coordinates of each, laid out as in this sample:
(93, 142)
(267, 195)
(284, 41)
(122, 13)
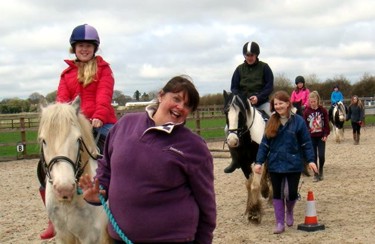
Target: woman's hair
(358, 103)
(274, 122)
(183, 83)
(315, 95)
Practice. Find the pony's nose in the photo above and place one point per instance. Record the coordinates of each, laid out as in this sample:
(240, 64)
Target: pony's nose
(65, 192)
(232, 140)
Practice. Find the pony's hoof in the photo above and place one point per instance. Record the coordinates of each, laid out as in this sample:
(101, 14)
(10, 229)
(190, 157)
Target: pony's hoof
(254, 218)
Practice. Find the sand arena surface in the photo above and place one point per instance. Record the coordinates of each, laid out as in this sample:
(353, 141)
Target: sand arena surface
(344, 200)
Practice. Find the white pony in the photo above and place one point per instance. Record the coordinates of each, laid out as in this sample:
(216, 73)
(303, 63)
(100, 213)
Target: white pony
(68, 150)
(245, 132)
(338, 120)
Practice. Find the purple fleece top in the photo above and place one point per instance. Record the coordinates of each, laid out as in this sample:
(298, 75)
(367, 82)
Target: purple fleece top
(160, 181)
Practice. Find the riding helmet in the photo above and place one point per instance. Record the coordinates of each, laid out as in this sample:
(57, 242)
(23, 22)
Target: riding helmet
(300, 79)
(85, 33)
(251, 47)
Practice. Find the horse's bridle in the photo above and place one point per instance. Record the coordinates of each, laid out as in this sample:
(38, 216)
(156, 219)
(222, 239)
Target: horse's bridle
(77, 165)
(244, 129)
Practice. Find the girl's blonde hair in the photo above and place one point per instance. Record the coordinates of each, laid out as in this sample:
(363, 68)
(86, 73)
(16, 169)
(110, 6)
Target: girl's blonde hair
(86, 70)
(315, 95)
(358, 103)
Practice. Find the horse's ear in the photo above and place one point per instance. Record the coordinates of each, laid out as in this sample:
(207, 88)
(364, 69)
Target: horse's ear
(77, 103)
(225, 93)
(43, 103)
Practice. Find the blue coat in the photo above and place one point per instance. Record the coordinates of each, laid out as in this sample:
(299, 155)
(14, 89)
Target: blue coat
(287, 151)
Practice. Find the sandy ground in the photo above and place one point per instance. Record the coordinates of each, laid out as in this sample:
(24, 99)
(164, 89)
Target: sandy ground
(344, 200)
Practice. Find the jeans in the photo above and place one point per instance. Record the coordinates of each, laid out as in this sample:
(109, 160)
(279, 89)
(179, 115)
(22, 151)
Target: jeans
(104, 129)
(266, 108)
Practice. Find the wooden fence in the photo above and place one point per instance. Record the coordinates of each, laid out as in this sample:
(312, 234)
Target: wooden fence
(26, 124)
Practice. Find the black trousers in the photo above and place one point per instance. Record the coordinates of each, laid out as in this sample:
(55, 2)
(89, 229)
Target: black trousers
(279, 180)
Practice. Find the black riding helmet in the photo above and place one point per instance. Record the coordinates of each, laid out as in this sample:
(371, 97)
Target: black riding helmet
(300, 79)
(251, 48)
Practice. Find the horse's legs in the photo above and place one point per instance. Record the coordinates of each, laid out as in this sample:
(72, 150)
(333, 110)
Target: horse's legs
(254, 209)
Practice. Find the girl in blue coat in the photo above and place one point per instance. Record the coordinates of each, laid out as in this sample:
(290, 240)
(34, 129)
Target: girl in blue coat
(285, 145)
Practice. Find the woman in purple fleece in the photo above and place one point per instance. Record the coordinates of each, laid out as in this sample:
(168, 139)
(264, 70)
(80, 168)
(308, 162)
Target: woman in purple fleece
(157, 174)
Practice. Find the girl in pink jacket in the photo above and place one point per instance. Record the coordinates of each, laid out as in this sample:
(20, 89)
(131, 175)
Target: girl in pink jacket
(300, 95)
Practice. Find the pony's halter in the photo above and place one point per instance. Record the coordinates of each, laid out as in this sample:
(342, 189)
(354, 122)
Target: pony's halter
(77, 165)
(244, 128)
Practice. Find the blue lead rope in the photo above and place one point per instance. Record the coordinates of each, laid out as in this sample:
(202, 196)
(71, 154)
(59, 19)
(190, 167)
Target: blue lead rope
(110, 216)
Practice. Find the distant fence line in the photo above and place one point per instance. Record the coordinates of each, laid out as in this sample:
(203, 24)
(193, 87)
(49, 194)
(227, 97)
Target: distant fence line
(25, 123)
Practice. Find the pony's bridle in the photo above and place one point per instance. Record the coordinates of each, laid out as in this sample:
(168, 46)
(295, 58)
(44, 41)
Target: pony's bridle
(77, 165)
(244, 129)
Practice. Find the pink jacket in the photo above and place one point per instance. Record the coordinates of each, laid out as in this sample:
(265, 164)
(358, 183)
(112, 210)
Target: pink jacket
(96, 98)
(300, 95)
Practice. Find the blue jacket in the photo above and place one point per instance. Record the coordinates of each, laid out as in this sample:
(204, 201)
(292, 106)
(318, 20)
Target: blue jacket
(336, 96)
(286, 152)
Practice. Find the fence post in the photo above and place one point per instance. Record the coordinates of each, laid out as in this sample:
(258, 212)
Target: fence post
(23, 136)
(197, 122)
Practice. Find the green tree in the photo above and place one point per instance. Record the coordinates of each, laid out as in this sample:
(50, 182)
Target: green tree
(281, 82)
(51, 97)
(365, 87)
(136, 95)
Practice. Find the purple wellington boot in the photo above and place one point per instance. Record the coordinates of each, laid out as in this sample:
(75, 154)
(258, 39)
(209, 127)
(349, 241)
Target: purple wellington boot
(279, 207)
(289, 212)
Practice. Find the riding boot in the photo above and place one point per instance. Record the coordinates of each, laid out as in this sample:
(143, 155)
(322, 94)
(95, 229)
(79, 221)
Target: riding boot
(321, 176)
(279, 207)
(49, 232)
(234, 164)
(231, 167)
(358, 137)
(355, 138)
(289, 212)
(316, 177)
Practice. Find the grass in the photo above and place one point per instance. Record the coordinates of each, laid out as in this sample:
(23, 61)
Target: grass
(211, 129)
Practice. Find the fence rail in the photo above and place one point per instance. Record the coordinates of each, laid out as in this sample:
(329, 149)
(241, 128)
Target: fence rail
(26, 124)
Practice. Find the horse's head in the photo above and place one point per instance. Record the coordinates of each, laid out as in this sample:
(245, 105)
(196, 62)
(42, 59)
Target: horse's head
(341, 110)
(235, 109)
(66, 143)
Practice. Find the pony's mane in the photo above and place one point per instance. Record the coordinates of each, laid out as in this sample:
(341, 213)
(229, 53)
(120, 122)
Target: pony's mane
(56, 121)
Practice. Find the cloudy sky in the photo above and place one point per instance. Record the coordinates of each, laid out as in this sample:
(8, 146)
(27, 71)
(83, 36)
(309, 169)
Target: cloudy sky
(147, 42)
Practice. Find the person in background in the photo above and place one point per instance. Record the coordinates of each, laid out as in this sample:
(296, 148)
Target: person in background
(286, 145)
(300, 95)
(160, 180)
(91, 78)
(356, 113)
(254, 80)
(336, 96)
(316, 117)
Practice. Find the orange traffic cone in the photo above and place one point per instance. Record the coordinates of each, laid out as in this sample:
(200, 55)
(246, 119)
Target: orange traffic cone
(311, 220)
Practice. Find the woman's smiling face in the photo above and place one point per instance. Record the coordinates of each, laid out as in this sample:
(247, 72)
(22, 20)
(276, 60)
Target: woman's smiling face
(281, 107)
(173, 107)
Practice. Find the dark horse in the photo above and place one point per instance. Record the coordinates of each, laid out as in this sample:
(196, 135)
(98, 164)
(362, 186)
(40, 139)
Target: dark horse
(245, 128)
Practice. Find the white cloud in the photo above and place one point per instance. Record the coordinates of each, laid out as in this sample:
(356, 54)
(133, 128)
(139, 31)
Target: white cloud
(147, 42)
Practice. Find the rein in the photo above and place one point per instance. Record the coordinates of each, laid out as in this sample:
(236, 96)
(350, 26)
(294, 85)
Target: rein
(77, 165)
